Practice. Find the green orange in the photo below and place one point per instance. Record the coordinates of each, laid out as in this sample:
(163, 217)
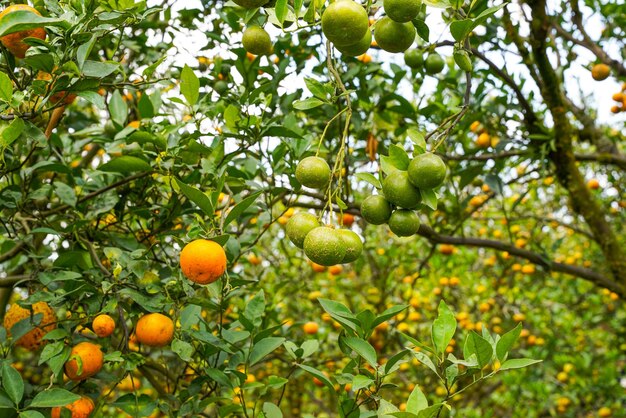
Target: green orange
(375, 209)
(344, 22)
(299, 225)
(324, 246)
(313, 172)
(427, 171)
(398, 190)
(404, 223)
(393, 36)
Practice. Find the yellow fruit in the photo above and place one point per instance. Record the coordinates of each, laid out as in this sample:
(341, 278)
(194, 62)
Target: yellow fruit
(34, 338)
(154, 330)
(203, 261)
(103, 325)
(310, 328)
(600, 72)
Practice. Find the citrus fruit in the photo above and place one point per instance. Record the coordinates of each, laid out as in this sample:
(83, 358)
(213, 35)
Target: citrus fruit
(257, 41)
(203, 261)
(324, 246)
(600, 72)
(404, 223)
(250, 4)
(344, 22)
(91, 360)
(427, 171)
(402, 10)
(33, 339)
(154, 330)
(103, 325)
(299, 225)
(358, 48)
(81, 408)
(353, 244)
(375, 209)
(347, 219)
(220, 87)
(313, 172)
(414, 58)
(398, 190)
(463, 60)
(14, 42)
(393, 36)
(310, 328)
(434, 63)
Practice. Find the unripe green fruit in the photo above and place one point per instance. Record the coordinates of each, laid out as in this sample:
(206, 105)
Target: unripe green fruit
(324, 246)
(427, 171)
(376, 210)
(393, 36)
(398, 190)
(344, 22)
(299, 225)
(434, 63)
(313, 172)
(404, 223)
(353, 243)
(257, 41)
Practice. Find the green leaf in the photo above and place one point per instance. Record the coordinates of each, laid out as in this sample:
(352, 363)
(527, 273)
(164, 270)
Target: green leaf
(31, 414)
(189, 85)
(271, 411)
(388, 314)
(183, 349)
(21, 20)
(506, 341)
(432, 411)
(197, 197)
(12, 383)
(360, 382)
(136, 406)
(340, 313)
(316, 88)
(126, 164)
(394, 361)
(255, 309)
(429, 198)
(443, 328)
(307, 104)
(6, 88)
(475, 344)
(422, 29)
(53, 397)
(263, 348)
(118, 108)
(369, 178)
(494, 182)
(10, 132)
(418, 140)
(281, 10)
(398, 157)
(425, 360)
(83, 51)
(94, 98)
(66, 193)
(240, 207)
(232, 116)
(321, 376)
(518, 363)
(417, 401)
(98, 69)
(459, 29)
(363, 349)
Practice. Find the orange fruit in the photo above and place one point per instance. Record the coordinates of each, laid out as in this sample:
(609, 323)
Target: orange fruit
(154, 330)
(14, 42)
(203, 261)
(81, 408)
(310, 328)
(318, 268)
(600, 72)
(593, 184)
(347, 219)
(483, 140)
(103, 325)
(91, 360)
(34, 338)
(618, 97)
(446, 249)
(335, 270)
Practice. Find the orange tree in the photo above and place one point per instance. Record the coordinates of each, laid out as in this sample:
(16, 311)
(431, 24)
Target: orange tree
(329, 193)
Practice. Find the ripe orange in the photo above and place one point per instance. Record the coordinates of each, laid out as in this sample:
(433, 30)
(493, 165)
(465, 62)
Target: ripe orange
(483, 140)
(446, 249)
(318, 268)
(103, 325)
(203, 261)
(81, 408)
(335, 270)
(34, 338)
(91, 360)
(347, 219)
(155, 330)
(593, 184)
(600, 72)
(14, 42)
(618, 97)
(310, 328)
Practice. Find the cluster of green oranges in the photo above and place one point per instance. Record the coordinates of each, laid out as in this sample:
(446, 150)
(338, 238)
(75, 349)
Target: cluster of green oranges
(402, 194)
(345, 23)
(323, 245)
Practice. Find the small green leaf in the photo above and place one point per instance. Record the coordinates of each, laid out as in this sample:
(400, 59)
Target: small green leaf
(183, 349)
(429, 198)
(271, 411)
(422, 29)
(417, 401)
(118, 108)
(443, 328)
(53, 397)
(281, 10)
(459, 29)
(518, 363)
(21, 20)
(189, 85)
(363, 349)
(418, 140)
(6, 88)
(263, 348)
(369, 178)
(321, 376)
(360, 382)
(306, 104)
(475, 344)
(506, 341)
(10, 132)
(196, 196)
(31, 414)
(398, 157)
(240, 207)
(12, 383)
